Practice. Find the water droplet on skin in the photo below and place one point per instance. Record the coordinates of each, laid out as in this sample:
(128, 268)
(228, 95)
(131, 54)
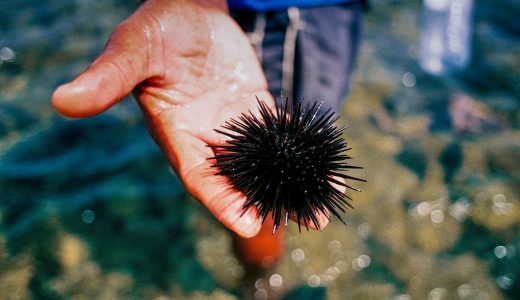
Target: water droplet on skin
(233, 88)
(161, 27)
(239, 72)
(147, 33)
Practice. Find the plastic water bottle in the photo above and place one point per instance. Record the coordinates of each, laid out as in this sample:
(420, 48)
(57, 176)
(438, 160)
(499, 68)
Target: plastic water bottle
(445, 41)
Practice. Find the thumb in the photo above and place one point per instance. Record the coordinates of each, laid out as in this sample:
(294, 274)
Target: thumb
(112, 76)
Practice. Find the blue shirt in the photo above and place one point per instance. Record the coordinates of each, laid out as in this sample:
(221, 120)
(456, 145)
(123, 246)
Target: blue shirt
(264, 5)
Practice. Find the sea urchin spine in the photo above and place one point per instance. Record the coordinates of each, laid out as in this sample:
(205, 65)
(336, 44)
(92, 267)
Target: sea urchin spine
(287, 162)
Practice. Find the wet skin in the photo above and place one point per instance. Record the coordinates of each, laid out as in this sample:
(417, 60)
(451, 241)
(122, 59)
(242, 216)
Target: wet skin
(191, 69)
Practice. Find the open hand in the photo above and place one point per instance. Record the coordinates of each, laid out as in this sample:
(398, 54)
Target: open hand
(191, 68)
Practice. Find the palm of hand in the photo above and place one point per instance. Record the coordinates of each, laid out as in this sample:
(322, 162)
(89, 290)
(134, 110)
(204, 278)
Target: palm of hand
(204, 77)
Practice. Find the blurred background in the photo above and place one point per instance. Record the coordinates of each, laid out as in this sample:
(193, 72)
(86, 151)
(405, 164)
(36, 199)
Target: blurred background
(89, 209)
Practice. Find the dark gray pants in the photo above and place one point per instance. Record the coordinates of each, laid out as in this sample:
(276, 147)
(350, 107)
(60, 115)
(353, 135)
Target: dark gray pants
(309, 53)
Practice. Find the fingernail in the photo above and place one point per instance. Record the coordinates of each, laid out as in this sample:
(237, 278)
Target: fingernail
(247, 225)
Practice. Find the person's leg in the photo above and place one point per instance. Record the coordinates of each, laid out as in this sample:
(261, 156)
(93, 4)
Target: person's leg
(309, 53)
(267, 33)
(326, 51)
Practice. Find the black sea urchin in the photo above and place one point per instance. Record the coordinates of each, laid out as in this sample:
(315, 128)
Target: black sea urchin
(287, 162)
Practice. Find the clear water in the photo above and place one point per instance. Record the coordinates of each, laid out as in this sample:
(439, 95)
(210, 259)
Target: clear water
(91, 209)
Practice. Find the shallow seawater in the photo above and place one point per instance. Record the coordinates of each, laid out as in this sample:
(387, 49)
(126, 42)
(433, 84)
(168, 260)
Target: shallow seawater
(90, 209)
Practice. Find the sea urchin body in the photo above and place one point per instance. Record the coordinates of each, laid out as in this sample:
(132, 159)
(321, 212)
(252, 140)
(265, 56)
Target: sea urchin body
(287, 162)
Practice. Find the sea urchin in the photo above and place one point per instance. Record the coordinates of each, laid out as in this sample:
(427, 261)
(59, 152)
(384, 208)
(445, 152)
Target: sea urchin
(287, 162)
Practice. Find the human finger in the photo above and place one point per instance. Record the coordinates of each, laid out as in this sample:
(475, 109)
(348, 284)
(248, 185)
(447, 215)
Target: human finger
(122, 65)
